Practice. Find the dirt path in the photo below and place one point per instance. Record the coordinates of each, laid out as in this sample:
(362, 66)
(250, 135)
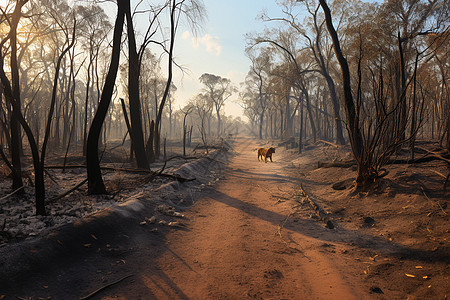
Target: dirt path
(231, 247)
(246, 235)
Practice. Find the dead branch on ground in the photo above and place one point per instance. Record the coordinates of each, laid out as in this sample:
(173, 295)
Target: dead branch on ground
(328, 143)
(319, 212)
(10, 194)
(68, 192)
(104, 287)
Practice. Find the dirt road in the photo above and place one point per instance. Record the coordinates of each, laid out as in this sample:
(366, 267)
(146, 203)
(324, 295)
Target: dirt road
(245, 234)
(231, 247)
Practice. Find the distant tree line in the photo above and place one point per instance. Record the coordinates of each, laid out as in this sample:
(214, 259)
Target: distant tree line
(378, 70)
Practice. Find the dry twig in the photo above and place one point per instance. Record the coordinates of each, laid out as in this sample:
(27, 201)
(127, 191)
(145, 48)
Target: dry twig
(104, 287)
(68, 192)
(10, 194)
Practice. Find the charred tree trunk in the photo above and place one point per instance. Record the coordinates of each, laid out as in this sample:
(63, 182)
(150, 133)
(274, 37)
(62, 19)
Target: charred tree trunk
(137, 135)
(149, 148)
(300, 135)
(337, 119)
(16, 137)
(185, 129)
(330, 83)
(366, 172)
(127, 122)
(190, 135)
(95, 180)
(86, 102)
(169, 80)
(413, 130)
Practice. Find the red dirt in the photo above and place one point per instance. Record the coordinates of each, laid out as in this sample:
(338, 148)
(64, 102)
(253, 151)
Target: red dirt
(232, 249)
(250, 236)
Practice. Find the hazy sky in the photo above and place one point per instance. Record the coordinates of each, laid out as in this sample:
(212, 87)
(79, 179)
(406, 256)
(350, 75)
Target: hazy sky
(219, 47)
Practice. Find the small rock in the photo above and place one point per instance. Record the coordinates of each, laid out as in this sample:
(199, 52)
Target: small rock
(143, 223)
(375, 289)
(329, 225)
(152, 220)
(154, 230)
(368, 222)
(162, 222)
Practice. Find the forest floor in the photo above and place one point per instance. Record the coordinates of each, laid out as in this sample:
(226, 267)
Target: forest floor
(242, 230)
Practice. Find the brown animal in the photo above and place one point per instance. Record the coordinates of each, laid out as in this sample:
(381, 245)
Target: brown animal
(266, 153)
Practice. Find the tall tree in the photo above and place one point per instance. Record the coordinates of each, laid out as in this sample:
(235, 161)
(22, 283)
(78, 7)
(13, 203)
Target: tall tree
(95, 180)
(366, 171)
(137, 134)
(16, 140)
(194, 12)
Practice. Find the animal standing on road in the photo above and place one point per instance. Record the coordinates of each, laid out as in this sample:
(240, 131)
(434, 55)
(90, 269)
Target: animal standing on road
(266, 153)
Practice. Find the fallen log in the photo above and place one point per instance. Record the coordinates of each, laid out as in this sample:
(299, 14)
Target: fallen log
(319, 212)
(327, 143)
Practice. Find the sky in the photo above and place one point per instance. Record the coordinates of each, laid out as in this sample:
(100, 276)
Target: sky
(219, 47)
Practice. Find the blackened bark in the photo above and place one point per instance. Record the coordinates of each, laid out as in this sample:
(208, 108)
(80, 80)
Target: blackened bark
(157, 137)
(127, 122)
(95, 180)
(16, 139)
(86, 102)
(137, 135)
(149, 149)
(337, 119)
(366, 172)
(331, 86)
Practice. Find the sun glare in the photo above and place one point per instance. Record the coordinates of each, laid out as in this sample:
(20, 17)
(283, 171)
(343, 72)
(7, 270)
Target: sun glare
(4, 3)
